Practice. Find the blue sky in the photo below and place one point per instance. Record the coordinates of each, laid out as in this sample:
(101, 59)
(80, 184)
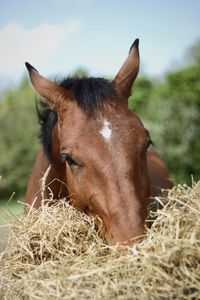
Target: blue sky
(58, 36)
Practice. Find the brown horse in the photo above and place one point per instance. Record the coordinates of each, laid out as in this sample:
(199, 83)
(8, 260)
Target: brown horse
(99, 149)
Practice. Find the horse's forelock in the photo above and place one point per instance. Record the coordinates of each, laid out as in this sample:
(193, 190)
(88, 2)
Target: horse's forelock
(90, 93)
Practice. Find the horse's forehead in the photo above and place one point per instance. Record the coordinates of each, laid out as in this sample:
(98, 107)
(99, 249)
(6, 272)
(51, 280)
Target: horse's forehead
(106, 124)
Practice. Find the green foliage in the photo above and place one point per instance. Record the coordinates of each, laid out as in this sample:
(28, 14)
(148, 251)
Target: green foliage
(182, 103)
(194, 54)
(18, 134)
(141, 94)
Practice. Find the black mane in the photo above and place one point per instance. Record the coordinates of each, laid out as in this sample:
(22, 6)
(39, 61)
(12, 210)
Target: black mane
(89, 93)
(47, 119)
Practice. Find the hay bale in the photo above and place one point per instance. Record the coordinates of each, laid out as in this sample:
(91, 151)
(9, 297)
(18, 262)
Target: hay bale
(4, 232)
(56, 253)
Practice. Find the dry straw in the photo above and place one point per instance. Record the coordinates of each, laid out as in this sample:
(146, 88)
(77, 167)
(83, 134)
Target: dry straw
(56, 253)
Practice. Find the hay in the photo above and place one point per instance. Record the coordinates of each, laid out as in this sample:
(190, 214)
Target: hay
(56, 253)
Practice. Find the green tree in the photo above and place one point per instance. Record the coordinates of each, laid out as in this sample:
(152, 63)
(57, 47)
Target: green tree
(141, 95)
(18, 139)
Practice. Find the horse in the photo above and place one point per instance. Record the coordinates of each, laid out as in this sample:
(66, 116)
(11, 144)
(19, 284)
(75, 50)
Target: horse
(98, 151)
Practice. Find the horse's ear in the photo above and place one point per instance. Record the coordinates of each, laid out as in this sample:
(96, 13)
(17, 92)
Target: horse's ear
(129, 70)
(50, 91)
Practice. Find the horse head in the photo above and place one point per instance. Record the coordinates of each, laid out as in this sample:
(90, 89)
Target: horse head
(103, 147)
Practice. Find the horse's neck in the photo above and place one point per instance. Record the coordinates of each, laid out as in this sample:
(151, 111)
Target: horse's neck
(158, 173)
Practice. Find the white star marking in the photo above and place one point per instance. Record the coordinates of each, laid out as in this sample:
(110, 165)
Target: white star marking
(106, 131)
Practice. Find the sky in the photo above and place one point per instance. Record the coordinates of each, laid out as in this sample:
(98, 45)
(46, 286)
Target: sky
(59, 36)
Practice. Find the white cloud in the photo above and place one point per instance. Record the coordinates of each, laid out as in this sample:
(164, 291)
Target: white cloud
(36, 45)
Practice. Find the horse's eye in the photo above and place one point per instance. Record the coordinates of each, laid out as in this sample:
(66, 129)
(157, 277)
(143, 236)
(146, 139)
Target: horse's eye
(71, 162)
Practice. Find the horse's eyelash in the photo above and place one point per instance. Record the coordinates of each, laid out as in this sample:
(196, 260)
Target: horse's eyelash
(68, 158)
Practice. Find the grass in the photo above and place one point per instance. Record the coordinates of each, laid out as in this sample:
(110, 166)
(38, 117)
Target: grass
(10, 210)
